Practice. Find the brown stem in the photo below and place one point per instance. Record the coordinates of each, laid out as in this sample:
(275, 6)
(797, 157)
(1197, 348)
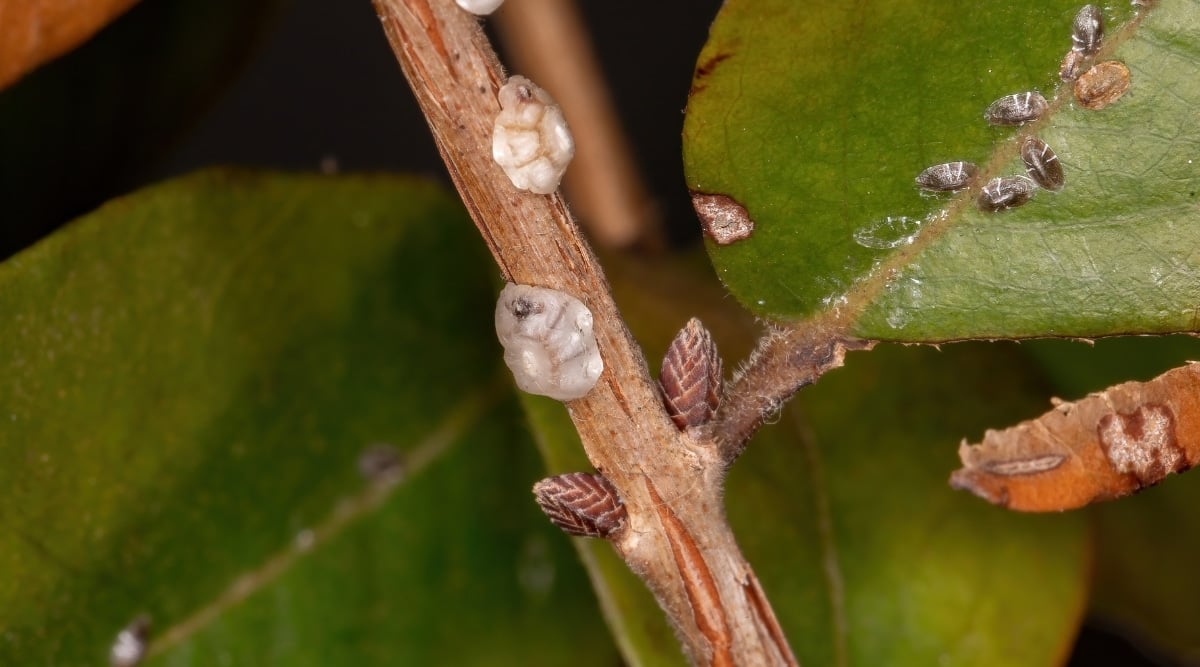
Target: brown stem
(785, 361)
(549, 43)
(676, 537)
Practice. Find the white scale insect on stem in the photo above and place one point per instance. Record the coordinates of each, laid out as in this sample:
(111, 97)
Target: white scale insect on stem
(530, 140)
(480, 7)
(548, 341)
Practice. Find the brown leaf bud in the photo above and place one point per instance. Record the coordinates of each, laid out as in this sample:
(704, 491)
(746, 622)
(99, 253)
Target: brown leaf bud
(691, 376)
(582, 504)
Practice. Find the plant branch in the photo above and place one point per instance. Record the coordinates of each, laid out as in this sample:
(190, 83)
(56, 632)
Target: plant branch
(676, 537)
(785, 361)
(549, 43)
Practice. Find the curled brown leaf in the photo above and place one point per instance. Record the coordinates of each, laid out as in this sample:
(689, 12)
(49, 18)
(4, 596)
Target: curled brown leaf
(1104, 446)
(33, 32)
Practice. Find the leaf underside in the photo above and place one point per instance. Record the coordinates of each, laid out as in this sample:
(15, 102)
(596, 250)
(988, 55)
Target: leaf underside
(817, 118)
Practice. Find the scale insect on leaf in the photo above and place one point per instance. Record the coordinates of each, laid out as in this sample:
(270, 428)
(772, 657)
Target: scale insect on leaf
(1102, 85)
(1042, 165)
(1016, 109)
(947, 177)
(1003, 193)
(1087, 30)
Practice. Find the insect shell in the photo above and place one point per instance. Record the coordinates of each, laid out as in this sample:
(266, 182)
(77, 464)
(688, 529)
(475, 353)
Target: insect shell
(1016, 109)
(1070, 65)
(480, 7)
(947, 177)
(530, 138)
(1003, 193)
(1087, 30)
(1042, 165)
(1102, 85)
(548, 341)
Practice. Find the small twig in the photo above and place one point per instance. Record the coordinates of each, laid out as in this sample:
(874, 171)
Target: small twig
(785, 361)
(549, 43)
(675, 535)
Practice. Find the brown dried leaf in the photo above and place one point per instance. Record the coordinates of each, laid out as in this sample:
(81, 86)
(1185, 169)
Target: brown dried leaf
(33, 32)
(1105, 446)
(691, 376)
(582, 504)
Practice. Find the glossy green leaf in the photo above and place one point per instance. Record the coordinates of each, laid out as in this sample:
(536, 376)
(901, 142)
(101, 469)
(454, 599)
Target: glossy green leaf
(192, 376)
(817, 117)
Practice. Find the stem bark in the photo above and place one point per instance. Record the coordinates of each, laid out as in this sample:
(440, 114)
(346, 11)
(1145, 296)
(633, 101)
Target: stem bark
(677, 538)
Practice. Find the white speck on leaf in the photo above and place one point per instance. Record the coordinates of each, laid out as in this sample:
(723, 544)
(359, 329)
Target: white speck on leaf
(129, 647)
(891, 232)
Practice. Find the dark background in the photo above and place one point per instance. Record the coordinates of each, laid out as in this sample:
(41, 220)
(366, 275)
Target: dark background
(308, 82)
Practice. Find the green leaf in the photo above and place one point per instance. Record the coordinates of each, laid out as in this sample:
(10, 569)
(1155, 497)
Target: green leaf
(192, 375)
(817, 117)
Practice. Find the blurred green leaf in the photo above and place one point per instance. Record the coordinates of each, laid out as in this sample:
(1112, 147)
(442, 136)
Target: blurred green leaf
(817, 117)
(868, 556)
(1147, 547)
(192, 375)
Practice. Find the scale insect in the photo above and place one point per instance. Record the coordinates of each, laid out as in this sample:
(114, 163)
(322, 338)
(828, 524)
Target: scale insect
(1087, 30)
(947, 177)
(1042, 165)
(1102, 85)
(1003, 193)
(1016, 109)
(480, 7)
(548, 341)
(530, 139)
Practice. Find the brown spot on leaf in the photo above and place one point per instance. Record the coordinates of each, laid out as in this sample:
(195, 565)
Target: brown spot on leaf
(1104, 446)
(723, 219)
(1102, 85)
(704, 69)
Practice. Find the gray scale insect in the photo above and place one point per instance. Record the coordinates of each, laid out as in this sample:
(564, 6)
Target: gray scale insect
(1016, 109)
(1003, 193)
(1087, 30)
(1071, 64)
(1042, 165)
(947, 177)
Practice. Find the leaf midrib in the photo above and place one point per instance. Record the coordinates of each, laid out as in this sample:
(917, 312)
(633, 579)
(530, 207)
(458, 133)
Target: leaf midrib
(862, 296)
(345, 512)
